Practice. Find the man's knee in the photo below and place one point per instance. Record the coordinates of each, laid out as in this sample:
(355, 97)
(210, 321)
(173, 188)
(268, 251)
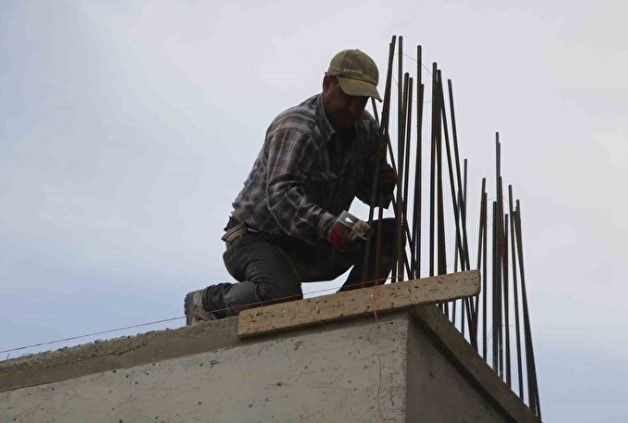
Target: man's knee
(275, 276)
(279, 290)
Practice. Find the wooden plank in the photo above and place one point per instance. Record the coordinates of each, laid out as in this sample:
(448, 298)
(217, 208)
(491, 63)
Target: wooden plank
(358, 302)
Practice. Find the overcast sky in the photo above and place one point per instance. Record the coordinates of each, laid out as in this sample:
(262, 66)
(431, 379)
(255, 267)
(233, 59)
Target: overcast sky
(127, 128)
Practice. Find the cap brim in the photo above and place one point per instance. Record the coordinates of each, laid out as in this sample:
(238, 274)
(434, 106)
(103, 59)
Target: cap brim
(358, 87)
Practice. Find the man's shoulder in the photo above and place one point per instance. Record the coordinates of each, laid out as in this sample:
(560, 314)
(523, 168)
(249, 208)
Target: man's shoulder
(301, 118)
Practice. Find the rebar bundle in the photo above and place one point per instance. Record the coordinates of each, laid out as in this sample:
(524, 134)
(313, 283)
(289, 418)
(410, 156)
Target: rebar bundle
(485, 321)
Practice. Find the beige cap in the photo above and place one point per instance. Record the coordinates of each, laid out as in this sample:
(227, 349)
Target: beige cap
(357, 73)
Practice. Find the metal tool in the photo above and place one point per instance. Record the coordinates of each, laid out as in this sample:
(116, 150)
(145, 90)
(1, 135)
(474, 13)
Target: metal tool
(359, 228)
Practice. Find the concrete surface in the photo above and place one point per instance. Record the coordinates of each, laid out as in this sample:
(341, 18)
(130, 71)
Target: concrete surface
(433, 379)
(326, 373)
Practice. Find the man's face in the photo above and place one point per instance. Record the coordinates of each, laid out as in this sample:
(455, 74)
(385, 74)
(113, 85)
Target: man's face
(342, 110)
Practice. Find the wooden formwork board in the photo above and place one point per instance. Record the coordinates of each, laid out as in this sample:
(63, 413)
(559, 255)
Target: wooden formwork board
(358, 302)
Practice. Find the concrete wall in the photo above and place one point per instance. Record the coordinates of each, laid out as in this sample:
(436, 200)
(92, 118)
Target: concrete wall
(327, 373)
(437, 391)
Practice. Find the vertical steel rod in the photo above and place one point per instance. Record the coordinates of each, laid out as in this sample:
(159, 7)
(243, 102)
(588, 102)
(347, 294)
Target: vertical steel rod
(454, 196)
(468, 302)
(457, 203)
(464, 240)
(532, 381)
(442, 251)
(455, 302)
(406, 178)
(401, 162)
(506, 304)
(515, 293)
(479, 260)
(418, 181)
(433, 129)
(485, 275)
(498, 260)
(494, 293)
(383, 133)
(379, 230)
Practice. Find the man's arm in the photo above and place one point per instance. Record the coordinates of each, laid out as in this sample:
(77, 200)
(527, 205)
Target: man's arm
(290, 154)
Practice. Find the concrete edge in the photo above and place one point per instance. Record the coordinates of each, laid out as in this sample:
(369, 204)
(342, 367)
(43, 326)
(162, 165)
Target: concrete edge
(116, 353)
(126, 352)
(451, 342)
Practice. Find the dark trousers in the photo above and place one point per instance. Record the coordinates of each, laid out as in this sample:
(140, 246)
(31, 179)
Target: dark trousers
(272, 270)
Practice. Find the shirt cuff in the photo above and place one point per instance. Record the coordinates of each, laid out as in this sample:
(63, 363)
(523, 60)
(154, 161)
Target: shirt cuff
(325, 225)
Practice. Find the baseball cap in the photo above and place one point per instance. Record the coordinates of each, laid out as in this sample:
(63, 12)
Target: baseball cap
(356, 72)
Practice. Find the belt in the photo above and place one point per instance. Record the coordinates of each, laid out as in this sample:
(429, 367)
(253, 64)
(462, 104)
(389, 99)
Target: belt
(234, 233)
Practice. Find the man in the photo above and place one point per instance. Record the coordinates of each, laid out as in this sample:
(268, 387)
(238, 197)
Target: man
(285, 227)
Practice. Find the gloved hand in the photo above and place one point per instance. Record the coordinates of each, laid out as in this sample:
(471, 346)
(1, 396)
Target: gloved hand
(386, 185)
(345, 239)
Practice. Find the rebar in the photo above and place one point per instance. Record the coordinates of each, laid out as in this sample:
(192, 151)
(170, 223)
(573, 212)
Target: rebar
(533, 389)
(406, 177)
(418, 175)
(506, 227)
(379, 230)
(484, 272)
(465, 243)
(433, 129)
(482, 229)
(442, 248)
(515, 293)
(400, 246)
(506, 305)
(400, 137)
(498, 312)
(416, 215)
(494, 334)
(383, 133)
(454, 191)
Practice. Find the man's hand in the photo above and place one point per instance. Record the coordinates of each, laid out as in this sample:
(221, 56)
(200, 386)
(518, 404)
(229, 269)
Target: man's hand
(348, 239)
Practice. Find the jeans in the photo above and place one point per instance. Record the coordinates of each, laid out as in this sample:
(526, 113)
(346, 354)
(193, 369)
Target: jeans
(272, 270)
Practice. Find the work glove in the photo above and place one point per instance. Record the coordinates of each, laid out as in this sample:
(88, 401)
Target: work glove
(347, 239)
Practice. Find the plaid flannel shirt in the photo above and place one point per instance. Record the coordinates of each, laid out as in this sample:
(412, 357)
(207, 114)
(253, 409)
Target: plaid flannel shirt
(306, 173)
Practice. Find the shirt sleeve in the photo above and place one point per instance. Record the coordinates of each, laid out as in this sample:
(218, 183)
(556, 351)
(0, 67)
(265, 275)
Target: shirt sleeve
(291, 153)
(365, 186)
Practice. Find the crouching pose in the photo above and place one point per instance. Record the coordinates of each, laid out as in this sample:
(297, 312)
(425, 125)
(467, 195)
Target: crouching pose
(286, 225)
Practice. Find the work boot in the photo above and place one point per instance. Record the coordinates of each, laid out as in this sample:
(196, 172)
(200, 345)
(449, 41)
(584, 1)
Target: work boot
(194, 311)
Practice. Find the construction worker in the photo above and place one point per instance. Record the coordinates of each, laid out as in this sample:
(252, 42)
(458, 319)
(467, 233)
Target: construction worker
(285, 227)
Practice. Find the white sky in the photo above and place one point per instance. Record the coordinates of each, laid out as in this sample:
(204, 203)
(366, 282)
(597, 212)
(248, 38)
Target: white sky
(128, 129)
